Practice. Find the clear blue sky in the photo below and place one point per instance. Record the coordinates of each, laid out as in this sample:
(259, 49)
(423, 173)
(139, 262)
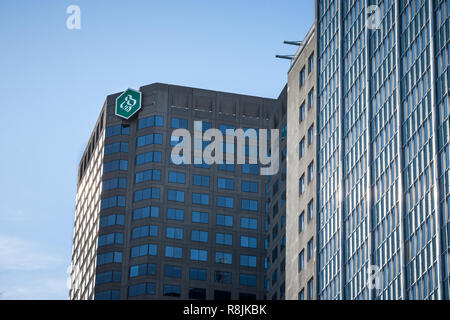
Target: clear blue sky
(54, 81)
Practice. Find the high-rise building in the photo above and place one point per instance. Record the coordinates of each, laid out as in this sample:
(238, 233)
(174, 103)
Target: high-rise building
(383, 149)
(301, 173)
(146, 228)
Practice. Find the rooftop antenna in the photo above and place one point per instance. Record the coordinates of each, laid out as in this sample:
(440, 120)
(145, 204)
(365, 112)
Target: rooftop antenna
(289, 56)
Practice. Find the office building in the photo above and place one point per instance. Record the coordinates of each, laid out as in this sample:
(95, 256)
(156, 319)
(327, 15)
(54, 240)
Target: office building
(146, 228)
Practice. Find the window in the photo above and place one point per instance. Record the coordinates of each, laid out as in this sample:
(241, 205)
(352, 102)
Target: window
(150, 139)
(310, 209)
(223, 277)
(144, 250)
(202, 126)
(224, 220)
(146, 212)
(115, 165)
(116, 148)
(310, 172)
(109, 257)
(224, 258)
(200, 198)
(142, 270)
(250, 169)
(199, 255)
(175, 214)
(301, 260)
(224, 202)
(198, 274)
(247, 280)
(113, 202)
(301, 113)
(121, 129)
(302, 77)
(199, 236)
(250, 205)
(200, 217)
(248, 261)
(144, 231)
(311, 63)
(148, 157)
(111, 220)
(224, 239)
(202, 181)
(175, 195)
(179, 123)
(310, 249)
(301, 222)
(226, 167)
(310, 135)
(145, 194)
(107, 295)
(225, 183)
(248, 242)
(310, 289)
(172, 271)
(177, 177)
(174, 233)
(148, 175)
(197, 293)
(141, 289)
(301, 185)
(174, 252)
(311, 99)
(107, 277)
(116, 183)
(301, 148)
(249, 186)
(249, 223)
(152, 121)
(222, 295)
(171, 291)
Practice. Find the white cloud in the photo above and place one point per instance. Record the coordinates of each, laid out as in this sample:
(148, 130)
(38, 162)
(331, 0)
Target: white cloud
(18, 254)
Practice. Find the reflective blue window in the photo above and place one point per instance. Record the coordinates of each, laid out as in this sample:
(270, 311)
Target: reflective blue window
(247, 280)
(200, 198)
(145, 194)
(199, 255)
(225, 183)
(149, 157)
(121, 129)
(249, 186)
(142, 270)
(226, 167)
(116, 148)
(113, 202)
(199, 217)
(174, 252)
(249, 242)
(224, 257)
(144, 250)
(247, 261)
(175, 214)
(199, 236)
(198, 274)
(107, 295)
(107, 277)
(202, 181)
(172, 291)
(109, 257)
(111, 238)
(146, 212)
(175, 195)
(224, 239)
(172, 271)
(250, 205)
(148, 175)
(174, 233)
(152, 121)
(225, 202)
(249, 223)
(141, 289)
(179, 123)
(115, 165)
(115, 219)
(150, 139)
(223, 277)
(144, 231)
(177, 177)
(250, 169)
(224, 220)
(116, 183)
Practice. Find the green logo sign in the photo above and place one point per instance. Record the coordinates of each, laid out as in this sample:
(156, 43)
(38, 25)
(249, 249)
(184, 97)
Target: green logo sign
(128, 103)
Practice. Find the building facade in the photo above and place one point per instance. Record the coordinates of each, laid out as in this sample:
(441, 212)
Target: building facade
(301, 173)
(383, 149)
(146, 228)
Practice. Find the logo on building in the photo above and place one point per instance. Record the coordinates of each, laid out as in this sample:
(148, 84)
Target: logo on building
(128, 103)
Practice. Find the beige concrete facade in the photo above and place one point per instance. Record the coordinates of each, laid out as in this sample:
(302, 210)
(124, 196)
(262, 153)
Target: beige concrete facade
(297, 204)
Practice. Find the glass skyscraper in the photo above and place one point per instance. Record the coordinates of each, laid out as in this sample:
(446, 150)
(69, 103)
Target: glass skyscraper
(383, 157)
